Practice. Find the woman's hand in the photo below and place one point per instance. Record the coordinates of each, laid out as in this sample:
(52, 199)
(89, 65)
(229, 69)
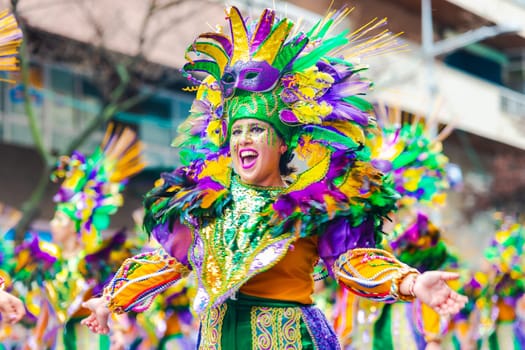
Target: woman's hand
(97, 321)
(11, 307)
(431, 288)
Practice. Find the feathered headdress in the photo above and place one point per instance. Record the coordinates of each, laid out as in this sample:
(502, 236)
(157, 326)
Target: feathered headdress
(92, 186)
(308, 86)
(414, 157)
(506, 253)
(284, 77)
(421, 245)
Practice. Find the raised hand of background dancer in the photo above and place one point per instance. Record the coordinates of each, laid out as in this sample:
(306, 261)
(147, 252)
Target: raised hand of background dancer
(117, 340)
(97, 321)
(432, 289)
(520, 307)
(433, 346)
(11, 308)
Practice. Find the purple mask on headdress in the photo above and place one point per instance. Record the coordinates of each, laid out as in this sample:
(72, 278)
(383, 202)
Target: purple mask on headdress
(256, 76)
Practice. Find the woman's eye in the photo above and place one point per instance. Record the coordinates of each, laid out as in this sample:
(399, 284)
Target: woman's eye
(257, 129)
(236, 132)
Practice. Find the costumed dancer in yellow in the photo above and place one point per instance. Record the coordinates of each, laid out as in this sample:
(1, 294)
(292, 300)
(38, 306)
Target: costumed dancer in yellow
(406, 151)
(233, 214)
(89, 194)
(495, 316)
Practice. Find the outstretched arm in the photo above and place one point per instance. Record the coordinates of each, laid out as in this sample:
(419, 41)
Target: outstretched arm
(351, 257)
(432, 289)
(97, 321)
(138, 281)
(377, 274)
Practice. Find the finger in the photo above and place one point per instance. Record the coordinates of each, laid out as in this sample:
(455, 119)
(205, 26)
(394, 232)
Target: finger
(451, 302)
(16, 312)
(102, 327)
(20, 309)
(451, 306)
(460, 299)
(88, 319)
(454, 309)
(85, 321)
(440, 312)
(448, 276)
(439, 299)
(444, 310)
(102, 317)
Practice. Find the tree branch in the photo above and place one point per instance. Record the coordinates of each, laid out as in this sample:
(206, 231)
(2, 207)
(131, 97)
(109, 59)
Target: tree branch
(25, 71)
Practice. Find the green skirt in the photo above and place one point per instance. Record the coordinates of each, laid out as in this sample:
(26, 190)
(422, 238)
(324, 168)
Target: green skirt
(256, 323)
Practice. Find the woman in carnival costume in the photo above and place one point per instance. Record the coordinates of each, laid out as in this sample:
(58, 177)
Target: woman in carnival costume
(495, 315)
(252, 237)
(89, 194)
(414, 158)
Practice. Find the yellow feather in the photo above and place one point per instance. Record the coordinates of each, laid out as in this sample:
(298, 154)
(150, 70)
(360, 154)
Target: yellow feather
(413, 176)
(348, 129)
(311, 152)
(210, 197)
(215, 169)
(331, 205)
(271, 45)
(314, 174)
(241, 50)
(214, 52)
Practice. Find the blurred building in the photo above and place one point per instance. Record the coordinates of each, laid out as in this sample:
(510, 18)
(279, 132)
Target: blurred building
(480, 81)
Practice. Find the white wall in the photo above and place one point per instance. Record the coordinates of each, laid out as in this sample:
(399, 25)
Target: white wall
(470, 103)
(503, 12)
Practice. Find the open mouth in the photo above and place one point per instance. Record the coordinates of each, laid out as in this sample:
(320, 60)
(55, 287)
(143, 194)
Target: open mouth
(248, 158)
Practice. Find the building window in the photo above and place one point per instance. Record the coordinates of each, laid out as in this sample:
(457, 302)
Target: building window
(157, 119)
(478, 64)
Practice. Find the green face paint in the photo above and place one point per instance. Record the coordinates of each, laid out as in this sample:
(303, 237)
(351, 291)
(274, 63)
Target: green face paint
(257, 132)
(256, 151)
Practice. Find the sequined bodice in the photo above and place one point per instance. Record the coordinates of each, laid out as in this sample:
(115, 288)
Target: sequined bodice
(240, 227)
(234, 247)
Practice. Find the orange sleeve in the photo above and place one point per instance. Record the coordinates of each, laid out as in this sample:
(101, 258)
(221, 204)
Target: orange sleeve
(140, 279)
(372, 273)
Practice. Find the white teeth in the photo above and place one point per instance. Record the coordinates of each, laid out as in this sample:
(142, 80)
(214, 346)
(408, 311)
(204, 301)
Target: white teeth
(243, 154)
